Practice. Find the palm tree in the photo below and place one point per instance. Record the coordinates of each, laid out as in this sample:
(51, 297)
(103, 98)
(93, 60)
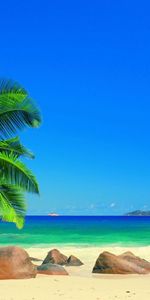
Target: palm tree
(17, 111)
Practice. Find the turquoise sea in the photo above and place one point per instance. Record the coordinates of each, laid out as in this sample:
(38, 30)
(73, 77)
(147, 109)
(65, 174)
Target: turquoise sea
(40, 231)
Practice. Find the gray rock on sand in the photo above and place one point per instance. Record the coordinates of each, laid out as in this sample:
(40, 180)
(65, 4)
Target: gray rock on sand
(55, 257)
(51, 269)
(126, 263)
(15, 263)
(74, 261)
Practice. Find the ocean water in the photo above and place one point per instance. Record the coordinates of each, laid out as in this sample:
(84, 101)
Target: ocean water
(40, 231)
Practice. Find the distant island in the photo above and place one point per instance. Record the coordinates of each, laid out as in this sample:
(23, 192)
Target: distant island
(138, 213)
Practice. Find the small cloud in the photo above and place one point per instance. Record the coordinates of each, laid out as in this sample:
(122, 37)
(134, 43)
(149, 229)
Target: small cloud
(92, 206)
(145, 206)
(113, 204)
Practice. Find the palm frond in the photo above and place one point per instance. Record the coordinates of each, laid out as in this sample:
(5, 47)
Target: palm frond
(12, 205)
(12, 90)
(17, 110)
(15, 172)
(13, 146)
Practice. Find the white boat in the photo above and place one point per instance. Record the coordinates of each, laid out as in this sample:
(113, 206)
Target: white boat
(53, 214)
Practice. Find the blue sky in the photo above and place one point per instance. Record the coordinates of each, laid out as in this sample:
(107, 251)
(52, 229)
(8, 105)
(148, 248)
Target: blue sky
(87, 64)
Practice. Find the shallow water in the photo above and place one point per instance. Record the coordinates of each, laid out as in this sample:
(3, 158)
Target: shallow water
(78, 230)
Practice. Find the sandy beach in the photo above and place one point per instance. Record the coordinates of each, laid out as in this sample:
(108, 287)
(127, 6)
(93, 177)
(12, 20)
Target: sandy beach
(81, 283)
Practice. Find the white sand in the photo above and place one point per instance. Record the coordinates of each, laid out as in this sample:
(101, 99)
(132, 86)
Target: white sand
(81, 284)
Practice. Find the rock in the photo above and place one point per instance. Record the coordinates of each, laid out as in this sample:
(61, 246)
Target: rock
(139, 262)
(51, 269)
(126, 263)
(15, 263)
(55, 257)
(74, 261)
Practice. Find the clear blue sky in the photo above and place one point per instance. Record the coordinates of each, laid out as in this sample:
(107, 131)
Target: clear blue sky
(87, 63)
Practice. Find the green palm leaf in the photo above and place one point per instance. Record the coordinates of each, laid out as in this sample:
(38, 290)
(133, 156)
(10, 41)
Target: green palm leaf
(15, 172)
(17, 110)
(12, 90)
(12, 205)
(14, 146)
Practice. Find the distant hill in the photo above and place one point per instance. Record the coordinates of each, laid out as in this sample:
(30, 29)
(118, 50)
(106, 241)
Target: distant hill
(138, 213)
